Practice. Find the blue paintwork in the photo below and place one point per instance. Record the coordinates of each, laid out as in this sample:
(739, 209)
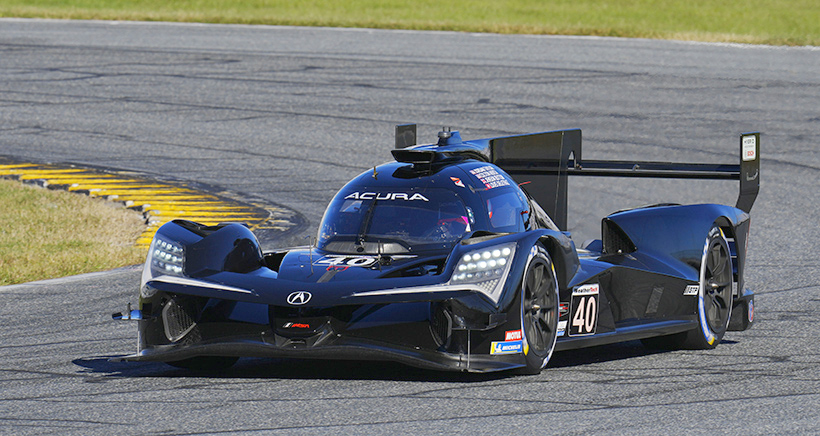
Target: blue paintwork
(364, 303)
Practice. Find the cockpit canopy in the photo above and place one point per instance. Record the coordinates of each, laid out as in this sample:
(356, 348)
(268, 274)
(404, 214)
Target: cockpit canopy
(392, 209)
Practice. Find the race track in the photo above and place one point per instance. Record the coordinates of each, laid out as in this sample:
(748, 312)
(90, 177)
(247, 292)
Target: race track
(290, 114)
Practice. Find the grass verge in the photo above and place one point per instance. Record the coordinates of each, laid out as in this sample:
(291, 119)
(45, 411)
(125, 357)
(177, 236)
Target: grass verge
(777, 22)
(47, 234)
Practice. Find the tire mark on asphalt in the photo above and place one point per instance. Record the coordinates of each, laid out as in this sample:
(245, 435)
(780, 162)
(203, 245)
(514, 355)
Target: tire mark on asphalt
(143, 380)
(793, 289)
(55, 422)
(579, 408)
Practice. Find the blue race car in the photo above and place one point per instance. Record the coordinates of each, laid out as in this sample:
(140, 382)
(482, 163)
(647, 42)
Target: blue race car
(441, 260)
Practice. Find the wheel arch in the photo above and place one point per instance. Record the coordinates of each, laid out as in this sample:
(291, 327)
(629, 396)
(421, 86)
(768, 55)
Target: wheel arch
(677, 233)
(678, 230)
(563, 256)
(729, 233)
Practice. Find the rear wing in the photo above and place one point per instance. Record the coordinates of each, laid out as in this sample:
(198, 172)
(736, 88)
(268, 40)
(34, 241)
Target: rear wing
(547, 159)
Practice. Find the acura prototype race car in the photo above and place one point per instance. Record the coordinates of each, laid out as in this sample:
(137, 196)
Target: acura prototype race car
(441, 260)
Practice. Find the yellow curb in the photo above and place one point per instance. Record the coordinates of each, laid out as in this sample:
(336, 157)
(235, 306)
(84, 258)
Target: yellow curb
(159, 201)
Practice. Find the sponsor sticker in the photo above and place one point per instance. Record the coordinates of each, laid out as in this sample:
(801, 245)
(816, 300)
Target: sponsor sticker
(513, 335)
(586, 290)
(562, 328)
(691, 290)
(749, 148)
(563, 308)
(507, 347)
(751, 311)
(457, 182)
(489, 177)
(295, 325)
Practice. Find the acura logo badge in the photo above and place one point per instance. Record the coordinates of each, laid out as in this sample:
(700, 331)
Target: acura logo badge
(299, 298)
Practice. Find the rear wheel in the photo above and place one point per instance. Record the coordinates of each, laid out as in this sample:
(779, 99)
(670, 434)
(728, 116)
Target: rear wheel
(539, 312)
(714, 307)
(715, 296)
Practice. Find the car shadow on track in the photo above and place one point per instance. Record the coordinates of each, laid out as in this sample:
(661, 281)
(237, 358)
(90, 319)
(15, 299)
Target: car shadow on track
(261, 368)
(351, 370)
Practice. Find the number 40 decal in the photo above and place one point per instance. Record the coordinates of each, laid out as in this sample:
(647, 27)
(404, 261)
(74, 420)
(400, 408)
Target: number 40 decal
(584, 310)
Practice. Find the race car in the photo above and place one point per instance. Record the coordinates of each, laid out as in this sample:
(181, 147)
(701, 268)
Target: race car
(441, 260)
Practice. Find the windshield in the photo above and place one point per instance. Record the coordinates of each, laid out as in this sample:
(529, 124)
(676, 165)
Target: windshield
(377, 221)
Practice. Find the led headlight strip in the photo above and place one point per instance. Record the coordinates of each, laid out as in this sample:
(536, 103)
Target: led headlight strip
(486, 268)
(167, 257)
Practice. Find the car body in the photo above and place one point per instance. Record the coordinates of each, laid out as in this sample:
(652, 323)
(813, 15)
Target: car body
(441, 260)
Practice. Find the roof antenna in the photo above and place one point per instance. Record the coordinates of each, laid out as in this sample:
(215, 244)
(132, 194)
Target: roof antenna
(444, 135)
(375, 173)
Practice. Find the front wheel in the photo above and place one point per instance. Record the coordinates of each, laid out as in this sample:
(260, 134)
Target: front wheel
(539, 311)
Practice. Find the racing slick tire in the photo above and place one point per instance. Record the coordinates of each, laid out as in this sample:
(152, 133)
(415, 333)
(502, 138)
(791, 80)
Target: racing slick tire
(715, 296)
(205, 363)
(714, 308)
(539, 311)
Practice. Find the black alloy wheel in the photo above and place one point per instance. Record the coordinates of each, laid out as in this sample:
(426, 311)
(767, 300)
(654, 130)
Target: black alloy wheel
(715, 299)
(714, 305)
(539, 312)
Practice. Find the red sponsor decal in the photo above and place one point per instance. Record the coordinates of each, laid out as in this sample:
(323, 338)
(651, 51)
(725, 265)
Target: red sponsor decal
(563, 308)
(457, 181)
(514, 335)
(294, 325)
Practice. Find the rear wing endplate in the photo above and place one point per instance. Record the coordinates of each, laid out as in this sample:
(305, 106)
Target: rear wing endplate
(547, 158)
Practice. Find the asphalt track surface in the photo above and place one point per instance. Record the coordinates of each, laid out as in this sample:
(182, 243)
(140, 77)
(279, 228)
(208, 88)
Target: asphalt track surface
(290, 114)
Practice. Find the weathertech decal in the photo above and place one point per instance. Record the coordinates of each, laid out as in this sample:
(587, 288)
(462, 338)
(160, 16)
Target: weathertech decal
(385, 196)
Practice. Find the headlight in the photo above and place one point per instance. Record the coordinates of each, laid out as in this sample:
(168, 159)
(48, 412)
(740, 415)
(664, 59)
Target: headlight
(485, 268)
(166, 257)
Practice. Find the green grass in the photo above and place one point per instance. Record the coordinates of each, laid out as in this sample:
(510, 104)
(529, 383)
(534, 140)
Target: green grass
(47, 234)
(779, 22)
(52, 234)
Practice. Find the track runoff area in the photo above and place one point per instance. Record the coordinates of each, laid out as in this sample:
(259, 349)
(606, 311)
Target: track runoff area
(158, 201)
